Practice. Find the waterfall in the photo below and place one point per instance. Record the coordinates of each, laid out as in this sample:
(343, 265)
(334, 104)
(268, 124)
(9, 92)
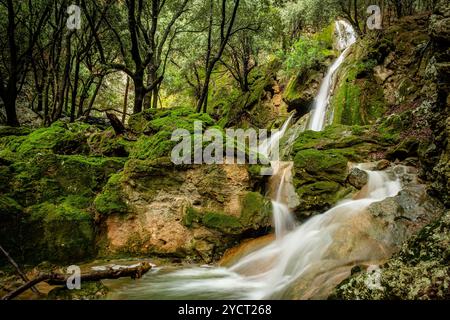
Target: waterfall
(346, 37)
(304, 261)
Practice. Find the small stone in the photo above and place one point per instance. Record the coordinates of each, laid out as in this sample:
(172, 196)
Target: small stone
(383, 164)
(358, 178)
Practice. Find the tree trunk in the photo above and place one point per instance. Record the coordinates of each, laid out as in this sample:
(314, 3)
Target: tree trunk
(139, 94)
(75, 89)
(125, 101)
(11, 113)
(116, 124)
(135, 272)
(155, 95)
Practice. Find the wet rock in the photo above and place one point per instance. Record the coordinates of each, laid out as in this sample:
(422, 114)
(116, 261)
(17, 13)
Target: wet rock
(88, 291)
(382, 165)
(421, 270)
(358, 178)
(407, 148)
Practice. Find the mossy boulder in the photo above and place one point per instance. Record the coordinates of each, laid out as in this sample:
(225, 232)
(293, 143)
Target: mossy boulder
(59, 232)
(358, 99)
(152, 121)
(255, 214)
(60, 138)
(302, 89)
(321, 162)
(107, 144)
(112, 198)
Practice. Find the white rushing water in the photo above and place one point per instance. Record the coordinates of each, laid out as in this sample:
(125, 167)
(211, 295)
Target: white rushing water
(305, 257)
(303, 261)
(346, 36)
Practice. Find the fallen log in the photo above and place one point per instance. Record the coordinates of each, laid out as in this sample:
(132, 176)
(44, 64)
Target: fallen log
(109, 272)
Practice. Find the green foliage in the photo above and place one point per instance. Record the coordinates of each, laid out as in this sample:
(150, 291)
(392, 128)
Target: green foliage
(306, 53)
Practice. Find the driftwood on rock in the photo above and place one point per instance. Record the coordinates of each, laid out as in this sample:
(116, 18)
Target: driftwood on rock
(109, 272)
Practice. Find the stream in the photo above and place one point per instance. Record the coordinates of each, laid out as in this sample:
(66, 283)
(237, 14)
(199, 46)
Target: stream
(303, 261)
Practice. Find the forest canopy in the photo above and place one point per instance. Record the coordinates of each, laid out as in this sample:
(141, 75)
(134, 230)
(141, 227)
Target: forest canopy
(73, 59)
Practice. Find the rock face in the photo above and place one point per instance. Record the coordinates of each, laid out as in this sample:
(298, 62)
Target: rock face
(195, 212)
(364, 238)
(302, 90)
(436, 157)
(421, 270)
(71, 191)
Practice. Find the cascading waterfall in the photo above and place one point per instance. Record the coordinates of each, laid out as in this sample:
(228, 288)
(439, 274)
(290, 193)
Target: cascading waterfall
(303, 262)
(346, 37)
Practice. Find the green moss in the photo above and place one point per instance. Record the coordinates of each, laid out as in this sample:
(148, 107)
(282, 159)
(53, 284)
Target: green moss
(58, 138)
(255, 210)
(191, 216)
(358, 98)
(111, 200)
(154, 147)
(9, 206)
(224, 223)
(58, 233)
(321, 195)
(106, 143)
(92, 173)
(6, 131)
(255, 214)
(315, 164)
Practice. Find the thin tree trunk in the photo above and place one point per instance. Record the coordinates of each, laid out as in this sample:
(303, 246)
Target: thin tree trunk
(139, 94)
(75, 89)
(94, 96)
(125, 102)
(155, 95)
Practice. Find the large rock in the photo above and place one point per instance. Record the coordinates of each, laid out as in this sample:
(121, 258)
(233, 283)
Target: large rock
(421, 270)
(364, 238)
(321, 162)
(188, 212)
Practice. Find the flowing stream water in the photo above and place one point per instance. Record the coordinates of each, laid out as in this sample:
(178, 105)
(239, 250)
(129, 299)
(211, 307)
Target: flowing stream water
(303, 261)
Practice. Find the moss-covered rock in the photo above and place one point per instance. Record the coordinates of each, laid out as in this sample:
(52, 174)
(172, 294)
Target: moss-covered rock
(88, 291)
(107, 144)
(61, 232)
(302, 89)
(255, 214)
(358, 98)
(321, 163)
(59, 138)
(112, 199)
